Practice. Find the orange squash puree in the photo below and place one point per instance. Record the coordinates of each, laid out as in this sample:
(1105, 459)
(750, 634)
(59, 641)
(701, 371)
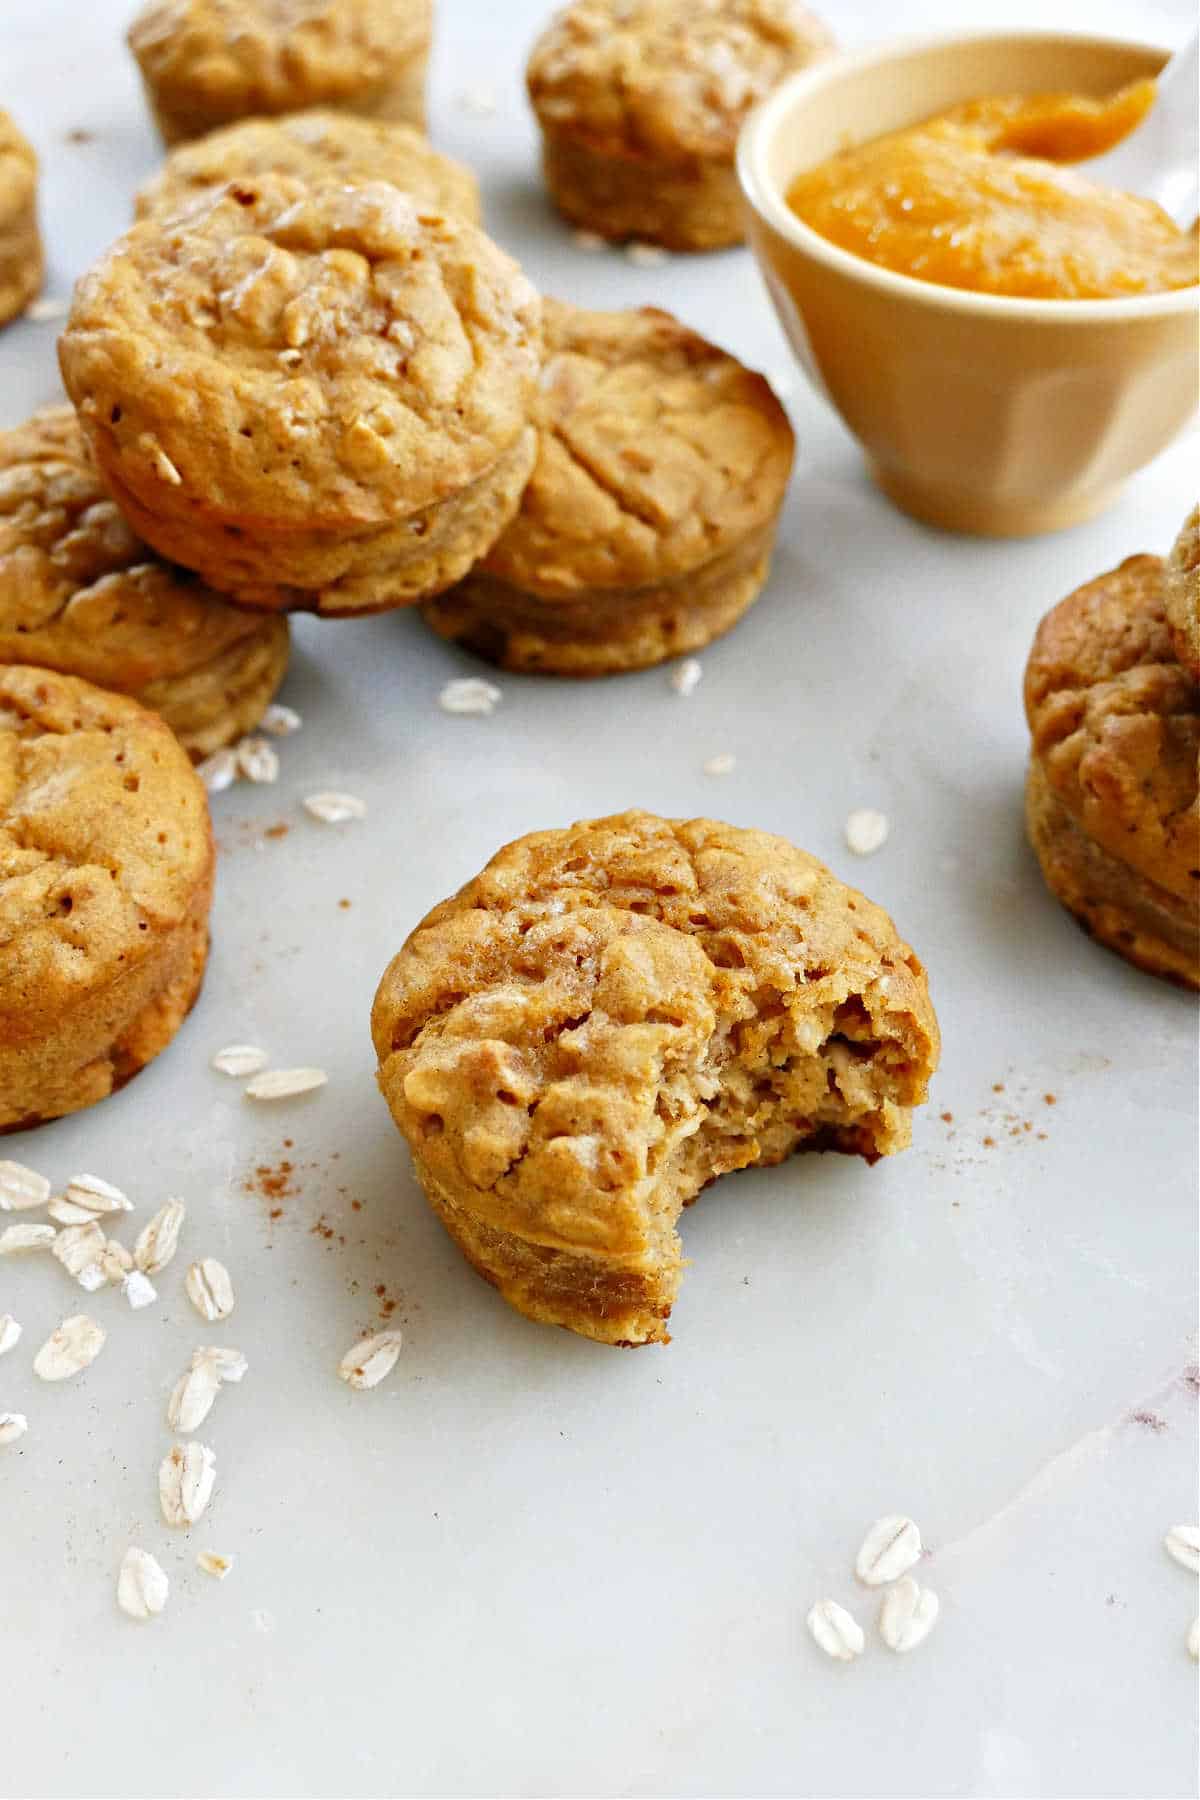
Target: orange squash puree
(978, 198)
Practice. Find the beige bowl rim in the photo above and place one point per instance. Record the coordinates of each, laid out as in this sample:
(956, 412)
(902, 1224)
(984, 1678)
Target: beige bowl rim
(762, 194)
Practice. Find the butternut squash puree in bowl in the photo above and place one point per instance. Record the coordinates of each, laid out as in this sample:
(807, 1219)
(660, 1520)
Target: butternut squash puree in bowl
(1008, 342)
(982, 197)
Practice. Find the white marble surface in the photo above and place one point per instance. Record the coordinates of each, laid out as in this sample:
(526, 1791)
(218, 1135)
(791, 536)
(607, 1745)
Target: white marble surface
(528, 1565)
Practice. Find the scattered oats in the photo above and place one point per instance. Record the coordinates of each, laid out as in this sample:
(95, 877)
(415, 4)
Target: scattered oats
(43, 310)
(12, 1426)
(646, 256)
(334, 808)
(1183, 1543)
(142, 1585)
(257, 761)
(139, 1290)
(96, 1195)
(116, 1262)
(369, 1361)
(470, 694)
(211, 1563)
(209, 1289)
(890, 1548)
(478, 100)
(866, 831)
(281, 1084)
(1193, 1640)
(10, 1332)
(907, 1615)
(15, 1240)
(77, 1342)
(239, 1060)
(92, 1278)
(724, 764)
(686, 676)
(280, 720)
(192, 1397)
(79, 1249)
(835, 1631)
(185, 1482)
(21, 1188)
(158, 1241)
(219, 771)
(589, 241)
(65, 1212)
(230, 1365)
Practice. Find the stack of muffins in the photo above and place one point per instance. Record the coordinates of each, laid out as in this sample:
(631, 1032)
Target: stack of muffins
(304, 379)
(1112, 694)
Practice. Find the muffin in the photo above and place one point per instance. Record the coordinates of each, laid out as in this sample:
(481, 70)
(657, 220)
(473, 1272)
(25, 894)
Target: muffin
(312, 146)
(205, 63)
(106, 867)
(315, 396)
(21, 262)
(80, 594)
(647, 525)
(611, 1016)
(640, 103)
(1111, 799)
(1183, 594)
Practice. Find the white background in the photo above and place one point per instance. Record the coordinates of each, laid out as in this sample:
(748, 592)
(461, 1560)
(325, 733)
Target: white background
(527, 1564)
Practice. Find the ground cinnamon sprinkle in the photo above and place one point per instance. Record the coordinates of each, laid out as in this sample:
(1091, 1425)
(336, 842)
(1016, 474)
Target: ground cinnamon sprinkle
(345, 905)
(948, 1118)
(1050, 1099)
(277, 831)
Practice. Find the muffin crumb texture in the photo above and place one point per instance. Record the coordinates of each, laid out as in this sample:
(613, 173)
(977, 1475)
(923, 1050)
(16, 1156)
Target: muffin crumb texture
(611, 1016)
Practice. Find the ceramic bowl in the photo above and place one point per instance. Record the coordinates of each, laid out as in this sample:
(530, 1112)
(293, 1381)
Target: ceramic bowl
(977, 412)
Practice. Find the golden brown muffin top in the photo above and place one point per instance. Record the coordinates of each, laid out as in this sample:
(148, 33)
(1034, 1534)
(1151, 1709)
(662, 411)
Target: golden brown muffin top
(1116, 723)
(312, 145)
(657, 452)
(250, 56)
(546, 1035)
(78, 591)
(104, 840)
(1183, 593)
(322, 355)
(18, 167)
(668, 79)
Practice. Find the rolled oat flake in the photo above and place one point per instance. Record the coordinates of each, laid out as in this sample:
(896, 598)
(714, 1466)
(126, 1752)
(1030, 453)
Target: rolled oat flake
(889, 1550)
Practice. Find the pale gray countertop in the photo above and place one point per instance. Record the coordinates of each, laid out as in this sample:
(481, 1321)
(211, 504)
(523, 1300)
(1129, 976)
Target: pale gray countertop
(528, 1565)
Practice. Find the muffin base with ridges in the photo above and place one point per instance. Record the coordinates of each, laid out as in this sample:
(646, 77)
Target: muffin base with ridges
(602, 632)
(1150, 927)
(375, 571)
(688, 207)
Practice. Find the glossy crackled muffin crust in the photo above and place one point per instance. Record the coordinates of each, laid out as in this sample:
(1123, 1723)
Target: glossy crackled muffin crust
(106, 866)
(314, 145)
(205, 63)
(79, 593)
(1113, 798)
(646, 527)
(21, 262)
(640, 103)
(315, 395)
(609, 1017)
